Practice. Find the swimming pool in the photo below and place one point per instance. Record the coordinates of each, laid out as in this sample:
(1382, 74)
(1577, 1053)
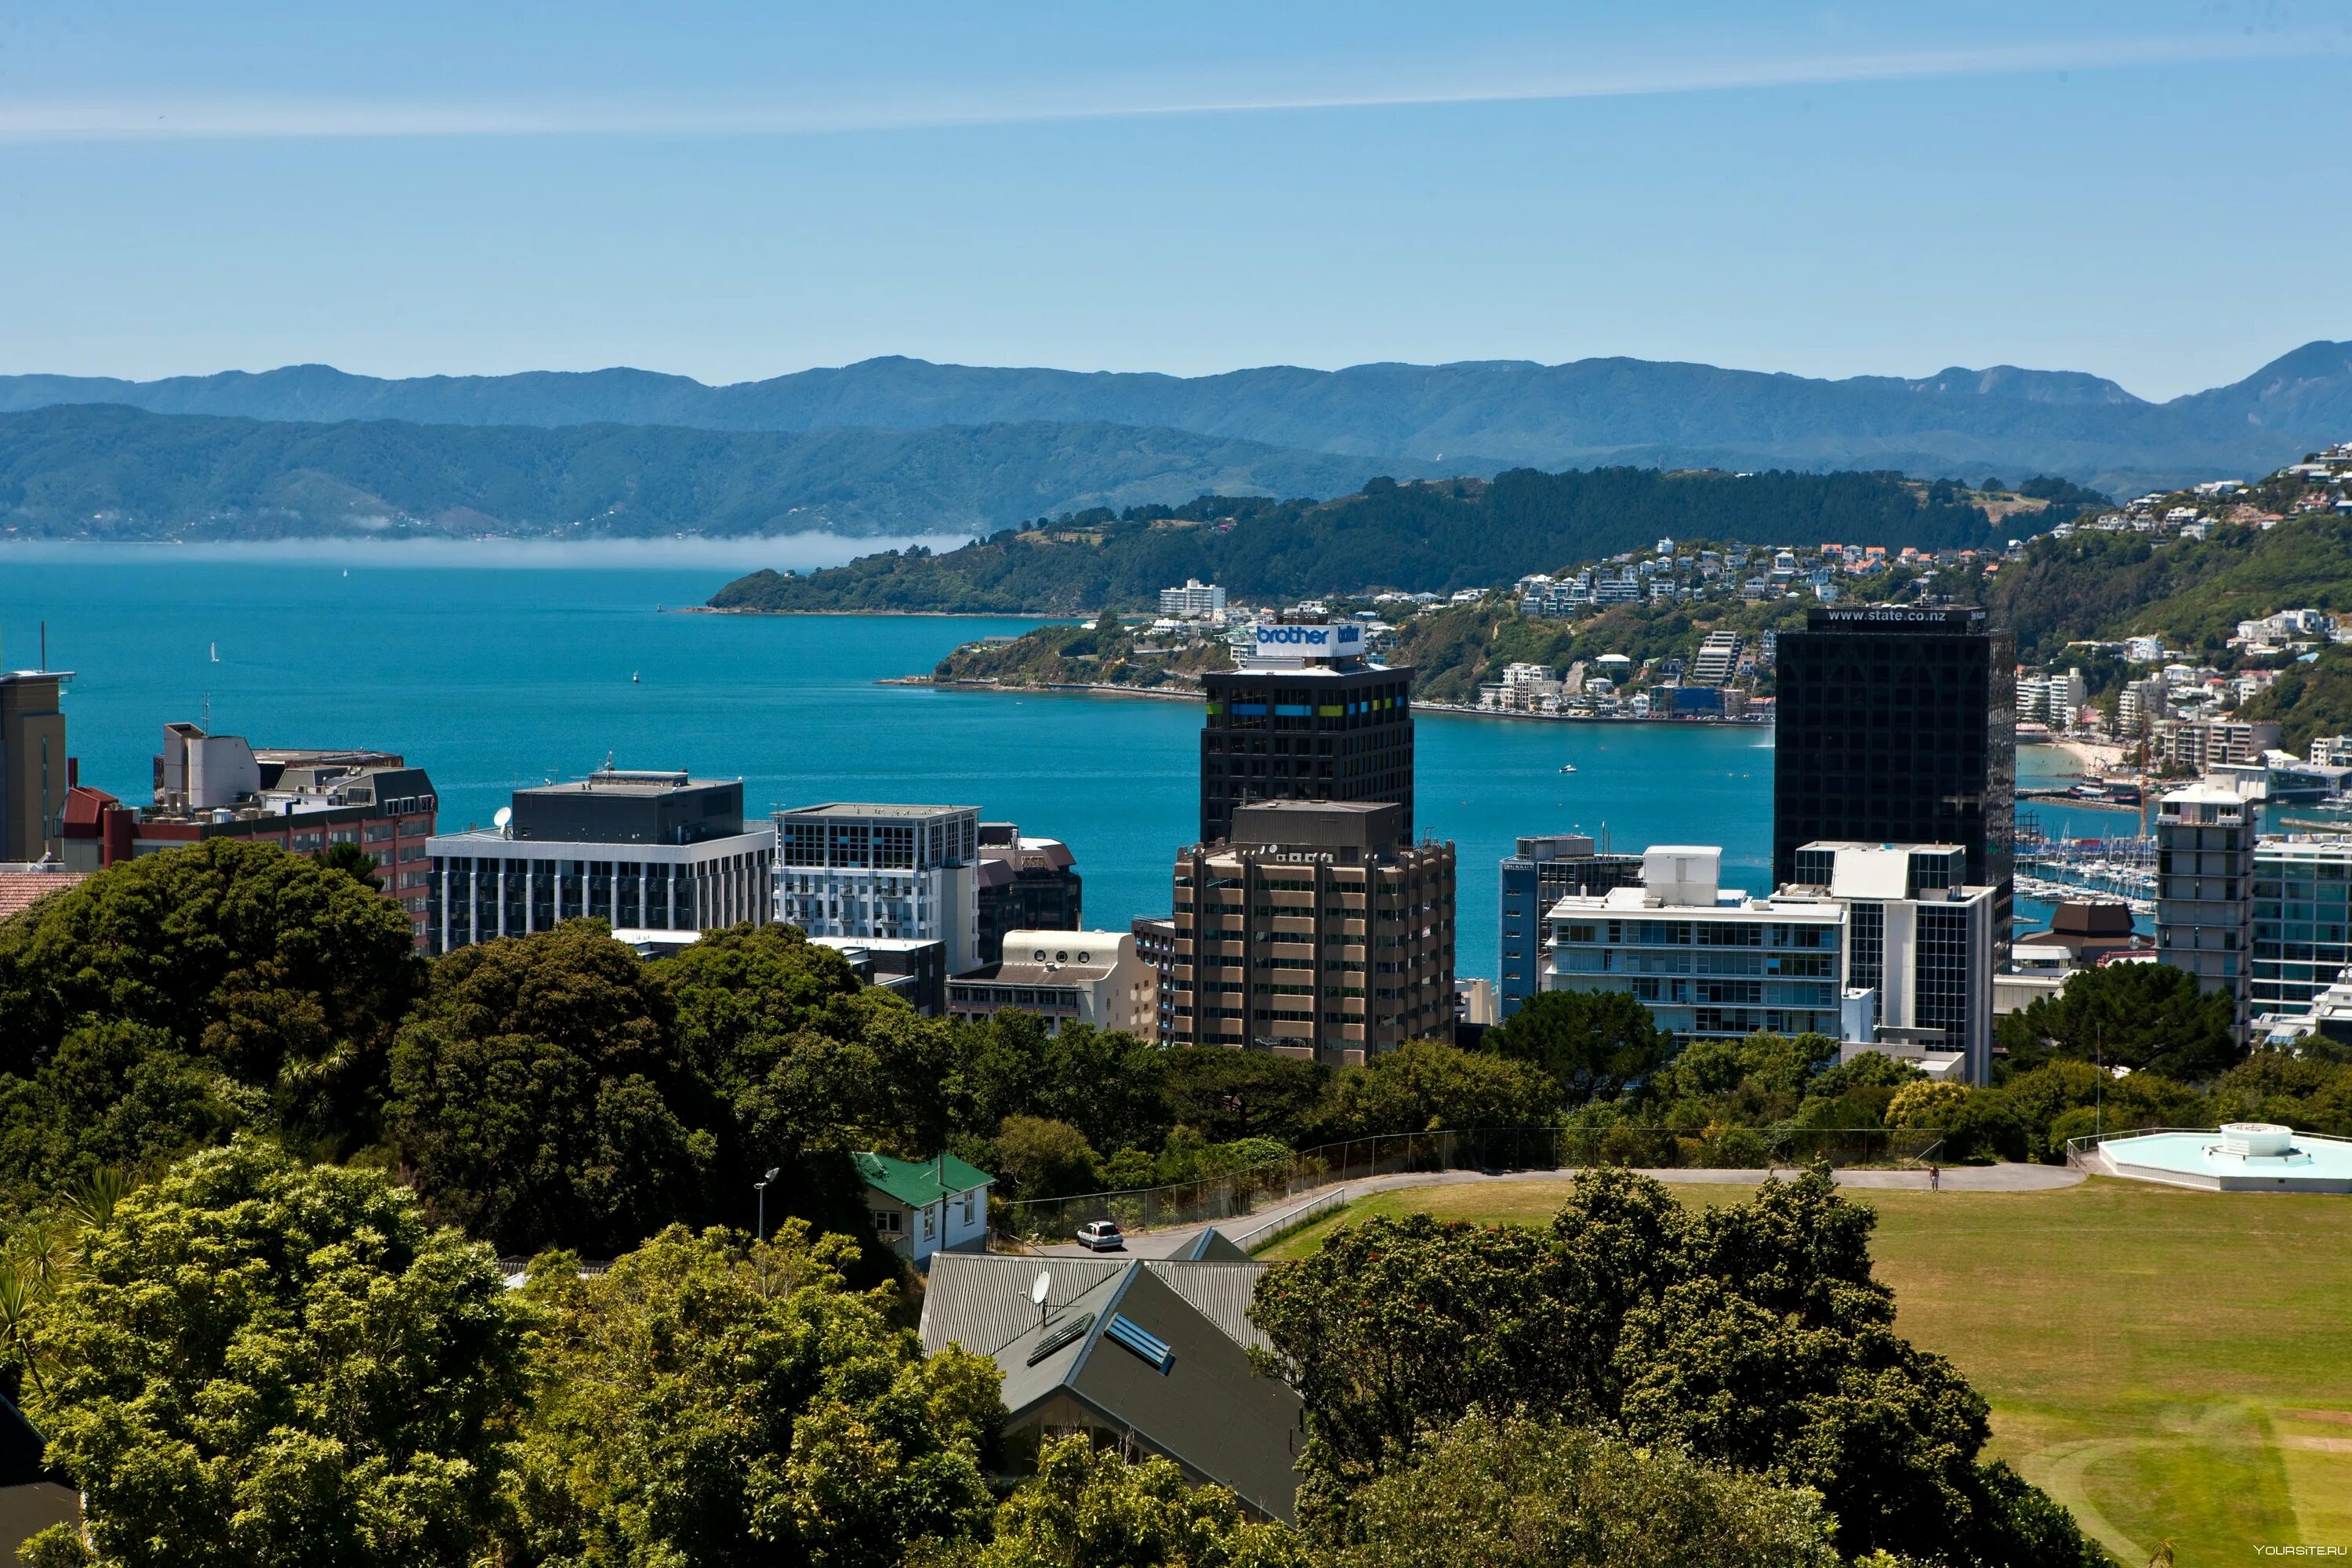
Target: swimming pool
(2240, 1157)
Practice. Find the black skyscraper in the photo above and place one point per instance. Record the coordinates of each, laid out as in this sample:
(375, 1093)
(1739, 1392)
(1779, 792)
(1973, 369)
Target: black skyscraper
(1896, 726)
(1340, 732)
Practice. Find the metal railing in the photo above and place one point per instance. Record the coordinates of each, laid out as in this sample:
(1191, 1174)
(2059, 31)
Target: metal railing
(1212, 1199)
(1297, 1220)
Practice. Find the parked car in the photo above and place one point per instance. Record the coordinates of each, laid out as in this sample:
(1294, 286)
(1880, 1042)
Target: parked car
(1102, 1236)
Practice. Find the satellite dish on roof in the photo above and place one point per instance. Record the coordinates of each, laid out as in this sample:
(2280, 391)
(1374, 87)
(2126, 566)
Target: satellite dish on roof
(1041, 1286)
(503, 819)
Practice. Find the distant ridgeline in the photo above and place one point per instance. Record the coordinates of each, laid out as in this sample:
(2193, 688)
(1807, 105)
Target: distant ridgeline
(1434, 535)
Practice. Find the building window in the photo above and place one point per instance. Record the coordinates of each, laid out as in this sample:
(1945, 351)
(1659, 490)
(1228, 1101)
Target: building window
(887, 1222)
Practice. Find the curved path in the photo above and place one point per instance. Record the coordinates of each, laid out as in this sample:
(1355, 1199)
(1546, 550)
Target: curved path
(2006, 1178)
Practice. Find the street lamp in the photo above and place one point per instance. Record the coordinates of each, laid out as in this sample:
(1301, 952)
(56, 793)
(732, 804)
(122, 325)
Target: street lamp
(760, 1187)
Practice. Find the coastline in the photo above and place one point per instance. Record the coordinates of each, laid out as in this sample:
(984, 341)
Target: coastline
(2092, 757)
(1449, 710)
(865, 614)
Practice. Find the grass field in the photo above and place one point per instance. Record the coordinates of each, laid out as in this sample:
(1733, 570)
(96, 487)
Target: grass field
(2171, 1364)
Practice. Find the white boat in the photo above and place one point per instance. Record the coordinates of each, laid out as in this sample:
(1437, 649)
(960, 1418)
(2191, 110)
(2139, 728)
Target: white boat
(1568, 767)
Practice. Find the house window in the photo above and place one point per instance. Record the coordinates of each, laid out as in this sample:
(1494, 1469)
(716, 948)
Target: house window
(929, 1219)
(887, 1222)
(967, 1208)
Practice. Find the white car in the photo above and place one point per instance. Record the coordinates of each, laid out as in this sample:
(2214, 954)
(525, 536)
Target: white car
(1102, 1236)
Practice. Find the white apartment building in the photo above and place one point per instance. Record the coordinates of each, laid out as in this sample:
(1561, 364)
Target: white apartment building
(1092, 977)
(848, 868)
(1195, 601)
(1718, 659)
(1878, 946)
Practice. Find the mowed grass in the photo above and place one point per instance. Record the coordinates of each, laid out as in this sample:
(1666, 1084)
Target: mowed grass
(2171, 1364)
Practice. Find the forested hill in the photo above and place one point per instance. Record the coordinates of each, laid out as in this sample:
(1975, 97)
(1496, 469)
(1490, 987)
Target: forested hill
(114, 473)
(1432, 535)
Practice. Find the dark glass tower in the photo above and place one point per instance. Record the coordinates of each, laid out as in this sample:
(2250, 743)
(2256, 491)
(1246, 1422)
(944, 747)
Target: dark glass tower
(1897, 726)
(1318, 731)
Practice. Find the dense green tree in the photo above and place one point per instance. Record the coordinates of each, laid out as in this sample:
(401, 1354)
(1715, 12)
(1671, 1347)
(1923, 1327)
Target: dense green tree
(286, 975)
(1400, 1322)
(354, 862)
(1753, 1335)
(710, 1402)
(1593, 1043)
(1105, 1083)
(1423, 1085)
(1090, 1507)
(1515, 1492)
(116, 1095)
(804, 1056)
(1038, 1158)
(542, 1097)
(2145, 1016)
(1226, 1095)
(259, 1363)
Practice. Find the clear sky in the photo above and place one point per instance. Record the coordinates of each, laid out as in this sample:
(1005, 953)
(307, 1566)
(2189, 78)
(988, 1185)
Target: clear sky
(2158, 191)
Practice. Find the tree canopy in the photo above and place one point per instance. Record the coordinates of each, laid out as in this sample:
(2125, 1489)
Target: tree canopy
(260, 1364)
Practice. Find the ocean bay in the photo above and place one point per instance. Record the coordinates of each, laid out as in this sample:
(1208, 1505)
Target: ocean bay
(493, 679)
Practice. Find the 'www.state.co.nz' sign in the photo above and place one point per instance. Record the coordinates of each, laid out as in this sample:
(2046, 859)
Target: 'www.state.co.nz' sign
(1300, 644)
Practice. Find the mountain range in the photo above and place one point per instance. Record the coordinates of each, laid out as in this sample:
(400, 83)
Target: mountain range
(903, 447)
(108, 472)
(1957, 422)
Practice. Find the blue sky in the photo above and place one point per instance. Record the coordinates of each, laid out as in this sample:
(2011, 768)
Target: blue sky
(2159, 191)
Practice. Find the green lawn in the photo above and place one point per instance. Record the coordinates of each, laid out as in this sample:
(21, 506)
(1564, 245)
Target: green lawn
(2168, 1363)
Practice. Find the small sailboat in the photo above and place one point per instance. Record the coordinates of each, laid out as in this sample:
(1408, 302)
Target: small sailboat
(1568, 767)
(215, 652)
(633, 677)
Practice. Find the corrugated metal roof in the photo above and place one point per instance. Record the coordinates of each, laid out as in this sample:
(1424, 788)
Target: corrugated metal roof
(920, 1183)
(1218, 1291)
(981, 1301)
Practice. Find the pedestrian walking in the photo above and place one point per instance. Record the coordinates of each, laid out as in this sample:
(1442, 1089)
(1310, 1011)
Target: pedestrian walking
(1935, 1178)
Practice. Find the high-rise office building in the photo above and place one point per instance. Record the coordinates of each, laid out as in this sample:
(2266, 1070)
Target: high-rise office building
(645, 851)
(1315, 929)
(33, 777)
(1548, 867)
(1305, 718)
(1897, 726)
(1024, 884)
(853, 868)
(2204, 883)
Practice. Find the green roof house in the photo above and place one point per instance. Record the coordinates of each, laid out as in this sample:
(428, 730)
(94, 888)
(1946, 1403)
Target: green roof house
(923, 1207)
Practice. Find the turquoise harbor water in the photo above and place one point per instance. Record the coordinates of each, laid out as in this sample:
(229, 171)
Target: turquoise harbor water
(495, 678)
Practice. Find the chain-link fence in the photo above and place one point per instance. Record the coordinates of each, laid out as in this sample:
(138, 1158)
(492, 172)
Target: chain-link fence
(1232, 1196)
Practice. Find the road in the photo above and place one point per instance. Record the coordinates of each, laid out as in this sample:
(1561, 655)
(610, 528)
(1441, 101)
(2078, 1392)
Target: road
(2005, 1178)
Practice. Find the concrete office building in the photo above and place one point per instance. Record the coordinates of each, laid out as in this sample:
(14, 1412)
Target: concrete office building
(1091, 977)
(863, 868)
(1024, 884)
(1548, 867)
(33, 776)
(1316, 930)
(1897, 726)
(1155, 944)
(2302, 919)
(1921, 939)
(914, 970)
(644, 851)
(2205, 881)
(1305, 718)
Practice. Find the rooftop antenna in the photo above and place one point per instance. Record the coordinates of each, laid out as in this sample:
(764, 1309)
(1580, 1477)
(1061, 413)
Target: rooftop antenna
(502, 819)
(45, 645)
(208, 720)
(1039, 1288)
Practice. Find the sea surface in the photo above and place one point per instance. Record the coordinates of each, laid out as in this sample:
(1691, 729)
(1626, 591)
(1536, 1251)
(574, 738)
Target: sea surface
(492, 676)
